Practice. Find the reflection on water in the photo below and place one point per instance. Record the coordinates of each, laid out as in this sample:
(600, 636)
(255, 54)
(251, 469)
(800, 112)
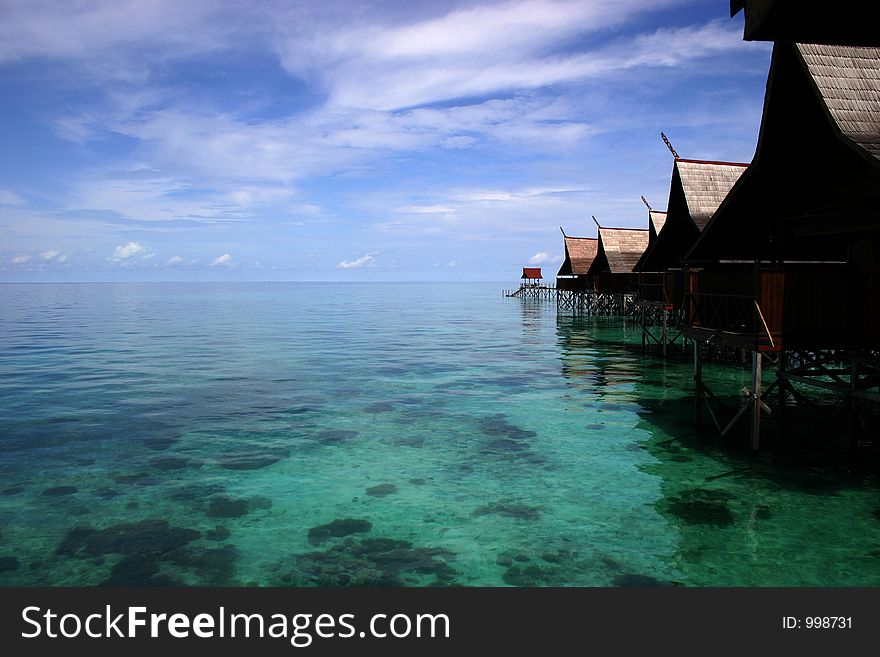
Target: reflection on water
(323, 434)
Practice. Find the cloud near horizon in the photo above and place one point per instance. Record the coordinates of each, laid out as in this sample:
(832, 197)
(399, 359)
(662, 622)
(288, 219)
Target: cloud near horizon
(222, 261)
(544, 258)
(368, 260)
(130, 251)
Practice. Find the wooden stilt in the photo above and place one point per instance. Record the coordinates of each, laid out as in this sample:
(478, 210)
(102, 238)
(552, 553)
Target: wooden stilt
(665, 331)
(757, 361)
(780, 403)
(698, 383)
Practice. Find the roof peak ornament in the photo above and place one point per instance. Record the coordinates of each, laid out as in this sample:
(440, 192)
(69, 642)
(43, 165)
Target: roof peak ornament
(669, 146)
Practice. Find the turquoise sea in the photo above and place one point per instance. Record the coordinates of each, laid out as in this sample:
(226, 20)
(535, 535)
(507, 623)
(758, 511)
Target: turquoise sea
(383, 434)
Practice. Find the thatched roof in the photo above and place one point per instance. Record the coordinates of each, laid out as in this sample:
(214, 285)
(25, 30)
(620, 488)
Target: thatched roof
(705, 184)
(579, 255)
(619, 250)
(846, 22)
(848, 80)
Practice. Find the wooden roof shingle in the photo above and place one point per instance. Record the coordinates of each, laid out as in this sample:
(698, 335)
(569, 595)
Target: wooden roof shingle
(657, 219)
(705, 184)
(579, 254)
(622, 247)
(848, 81)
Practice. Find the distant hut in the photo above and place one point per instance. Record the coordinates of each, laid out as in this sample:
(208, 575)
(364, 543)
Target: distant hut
(698, 187)
(650, 285)
(847, 22)
(579, 255)
(619, 251)
(531, 276)
(790, 261)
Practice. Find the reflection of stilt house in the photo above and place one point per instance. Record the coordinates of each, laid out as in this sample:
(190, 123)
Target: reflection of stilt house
(619, 250)
(790, 262)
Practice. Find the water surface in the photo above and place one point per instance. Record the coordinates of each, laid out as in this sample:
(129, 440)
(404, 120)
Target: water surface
(374, 434)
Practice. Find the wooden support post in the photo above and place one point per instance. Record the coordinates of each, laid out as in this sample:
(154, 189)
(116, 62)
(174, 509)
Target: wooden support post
(665, 330)
(853, 406)
(757, 361)
(698, 383)
(782, 383)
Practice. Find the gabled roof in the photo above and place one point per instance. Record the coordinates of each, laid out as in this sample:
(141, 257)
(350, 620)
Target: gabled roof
(846, 22)
(579, 255)
(705, 184)
(657, 219)
(619, 250)
(848, 81)
(531, 272)
(697, 189)
(816, 171)
(656, 222)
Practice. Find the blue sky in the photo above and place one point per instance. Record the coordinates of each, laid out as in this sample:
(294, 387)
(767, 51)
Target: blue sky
(342, 140)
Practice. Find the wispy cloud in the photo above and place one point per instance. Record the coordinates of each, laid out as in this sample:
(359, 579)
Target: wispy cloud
(21, 259)
(466, 52)
(368, 260)
(222, 261)
(175, 260)
(115, 40)
(10, 198)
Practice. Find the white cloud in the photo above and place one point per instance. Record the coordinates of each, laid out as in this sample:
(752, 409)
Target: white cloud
(175, 260)
(53, 255)
(130, 251)
(10, 198)
(484, 49)
(115, 39)
(427, 209)
(21, 259)
(454, 264)
(368, 260)
(222, 261)
(544, 258)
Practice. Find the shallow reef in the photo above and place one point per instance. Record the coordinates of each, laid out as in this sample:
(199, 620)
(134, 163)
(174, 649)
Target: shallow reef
(381, 490)
(508, 509)
(252, 459)
(143, 538)
(337, 529)
(335, 436)
(372, 562)
(58, 491)
(701, 506)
